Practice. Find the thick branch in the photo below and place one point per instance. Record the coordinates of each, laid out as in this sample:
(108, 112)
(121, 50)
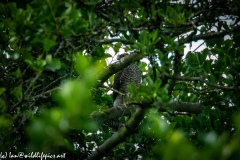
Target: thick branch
(178, 106)
(113, 68)
(115, 112)
(119, 136)
(133, 122)
(111, 113)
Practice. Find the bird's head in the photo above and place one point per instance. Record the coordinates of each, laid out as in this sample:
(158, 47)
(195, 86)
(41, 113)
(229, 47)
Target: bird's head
(120, 56)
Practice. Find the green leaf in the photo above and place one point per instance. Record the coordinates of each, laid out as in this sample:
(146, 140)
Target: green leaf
(49, 43)
(204, 55)
(214, 41)
(155, 36)
(2, 90)
(29, 62)
(175, 15)
(207, 66)
(117, 46)
(49, 58)
(116, 20)
(17, 73)
(228, 45)
(54, 65)
(144, 38)
(18, 92)
(211, 78)
(175, 93)
(132, 89)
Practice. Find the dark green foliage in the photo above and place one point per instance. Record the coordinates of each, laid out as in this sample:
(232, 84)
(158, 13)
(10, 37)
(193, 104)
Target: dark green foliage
(53, 58)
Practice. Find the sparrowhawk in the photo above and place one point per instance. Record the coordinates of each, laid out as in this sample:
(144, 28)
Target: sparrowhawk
(123, 78)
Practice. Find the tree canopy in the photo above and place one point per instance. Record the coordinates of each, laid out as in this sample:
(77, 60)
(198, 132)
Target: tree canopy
(57, 61)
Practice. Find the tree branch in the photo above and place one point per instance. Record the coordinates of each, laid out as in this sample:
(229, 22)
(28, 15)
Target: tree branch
(119, 136)
(32, 83)
(178, 106)
(111, 113)
(177, 60)
(115, 112)
(114, 90)
(43, 89)
(107, 41)
(46, 92)
(209, 35)
(115, 67)
(133, 122)
(59, 48)
(201, 79)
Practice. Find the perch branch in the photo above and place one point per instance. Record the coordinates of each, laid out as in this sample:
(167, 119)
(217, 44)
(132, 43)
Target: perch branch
(119, 136)
(178, 106)
(117, 66)
(115, 112)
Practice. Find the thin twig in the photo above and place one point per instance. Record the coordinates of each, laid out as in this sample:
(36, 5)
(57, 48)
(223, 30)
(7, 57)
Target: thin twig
(43, 93)
(55, 81)
(60, 47)
(16, 104)
(107, 41)
(198, 47)
(114, 90)
(32, 83)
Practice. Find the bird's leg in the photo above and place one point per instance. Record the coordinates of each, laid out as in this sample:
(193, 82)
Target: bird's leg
(124, 104)
(119, 107)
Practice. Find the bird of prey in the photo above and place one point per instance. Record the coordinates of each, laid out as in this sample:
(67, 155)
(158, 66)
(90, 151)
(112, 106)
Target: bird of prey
(123, 78)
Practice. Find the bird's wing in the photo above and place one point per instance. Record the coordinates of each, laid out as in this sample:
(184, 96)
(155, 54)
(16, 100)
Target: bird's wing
(116, 83)
(130, 74)
(124, 77)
